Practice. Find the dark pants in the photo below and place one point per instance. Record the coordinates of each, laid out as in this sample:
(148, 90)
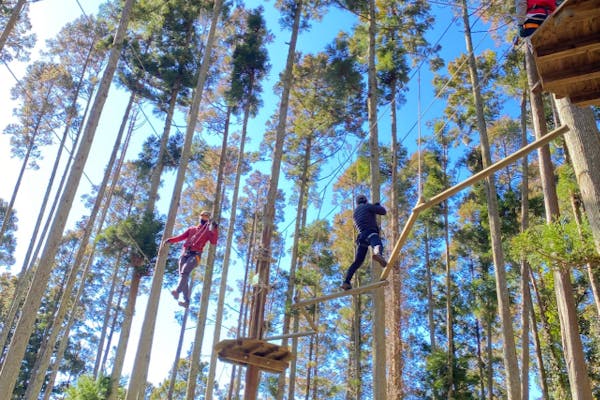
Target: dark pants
(531, 24)
(363, 242)
(187, 262)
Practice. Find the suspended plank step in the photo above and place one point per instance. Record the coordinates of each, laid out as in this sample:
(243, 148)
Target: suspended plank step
(566, 48)
(264, 355)
(341, 293)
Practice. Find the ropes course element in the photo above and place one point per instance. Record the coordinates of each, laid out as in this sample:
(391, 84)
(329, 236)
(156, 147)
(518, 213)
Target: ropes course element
(566, 49)
(484, 173)
(259, 353)
(361, 289)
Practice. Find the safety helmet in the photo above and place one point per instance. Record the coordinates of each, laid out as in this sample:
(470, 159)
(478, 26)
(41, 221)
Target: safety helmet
(361, 198)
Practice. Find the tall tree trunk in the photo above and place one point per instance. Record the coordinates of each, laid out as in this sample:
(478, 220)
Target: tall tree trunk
(173, 376)
(449, 313)
(142, 357)
(12, 21)
(115, 319)
(591, 269)
(449, 283)
(124, 336)
(28, 264)
(357, 337)
(264, 259)
(66, 302)
(11, 203)
(379, 351)
(567, 310)
(106, 319)
(555, 354)
(490, 358)
(158, 169)
(513, 384)
(294, 362)
(24, 328)
(27, 269)
(294, 256)
(428, 279)
(208, 273)
(225, 269)
(394, 295)
(538, 351)
(525, 293)
(242, 319)
(583, 142)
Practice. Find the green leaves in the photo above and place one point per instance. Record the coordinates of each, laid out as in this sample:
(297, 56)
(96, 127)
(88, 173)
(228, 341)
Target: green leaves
(559, 244)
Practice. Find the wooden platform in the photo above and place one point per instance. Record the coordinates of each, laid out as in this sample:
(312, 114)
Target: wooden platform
(264, 355)
(566, 48)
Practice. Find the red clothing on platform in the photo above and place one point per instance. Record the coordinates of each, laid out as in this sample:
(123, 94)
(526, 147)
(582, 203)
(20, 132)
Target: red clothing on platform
(196, 237)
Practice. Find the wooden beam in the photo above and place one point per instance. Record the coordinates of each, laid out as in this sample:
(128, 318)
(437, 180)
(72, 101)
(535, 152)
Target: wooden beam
(309, 319)
(401, 240)
(570, 48)
(291, 335)
(250, 359)
(358, 290)
(587, 98)
(560, 79)
(484, 173)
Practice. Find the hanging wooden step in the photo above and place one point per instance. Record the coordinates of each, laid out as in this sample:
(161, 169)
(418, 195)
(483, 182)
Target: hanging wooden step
(566, 48)
(264, 355)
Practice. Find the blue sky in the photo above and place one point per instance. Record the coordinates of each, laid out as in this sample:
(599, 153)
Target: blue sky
(49, 16)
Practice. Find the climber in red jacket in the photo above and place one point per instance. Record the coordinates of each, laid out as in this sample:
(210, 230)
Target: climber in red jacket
(195, 238)
(531, 14)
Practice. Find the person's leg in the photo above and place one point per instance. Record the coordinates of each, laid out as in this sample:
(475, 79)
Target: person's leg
(182, 259)
(375, 243)
(359, 258)
(184, 277)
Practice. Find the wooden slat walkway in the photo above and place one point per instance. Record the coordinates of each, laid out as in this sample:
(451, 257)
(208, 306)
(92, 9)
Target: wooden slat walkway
(264, 355)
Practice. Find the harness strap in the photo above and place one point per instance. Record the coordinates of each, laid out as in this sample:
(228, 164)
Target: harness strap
(374, 233)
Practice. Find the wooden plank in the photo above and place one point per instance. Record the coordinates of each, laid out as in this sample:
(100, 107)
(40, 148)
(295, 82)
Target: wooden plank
(570, 48)
(587, 98)
(484, 173)
(587, 103)
(309, 319)
(560, 80)
(342, 293)
(400, 242)
(291, 335)
(249, 359)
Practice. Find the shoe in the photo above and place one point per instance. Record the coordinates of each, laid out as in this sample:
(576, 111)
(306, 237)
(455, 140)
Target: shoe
(184, 304)
(380, 260)
(175, 294)
(346, 286)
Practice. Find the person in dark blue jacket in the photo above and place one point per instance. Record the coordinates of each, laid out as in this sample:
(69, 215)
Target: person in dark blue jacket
(368, 235)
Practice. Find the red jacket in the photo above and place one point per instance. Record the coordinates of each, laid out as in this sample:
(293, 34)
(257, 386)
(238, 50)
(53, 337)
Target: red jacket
(527, 8)
(541, 6)
(196, 237)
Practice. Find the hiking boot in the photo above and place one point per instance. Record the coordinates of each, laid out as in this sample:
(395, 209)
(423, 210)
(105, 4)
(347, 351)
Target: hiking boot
(184, 304)
(379, 258)
(175, 294)
(346, 286)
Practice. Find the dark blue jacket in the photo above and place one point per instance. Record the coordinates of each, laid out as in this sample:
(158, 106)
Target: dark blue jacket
(364, 217)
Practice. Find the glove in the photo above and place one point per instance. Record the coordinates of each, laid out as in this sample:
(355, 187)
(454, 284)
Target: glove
(214, 224)
(522, 32)
(377, 204)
